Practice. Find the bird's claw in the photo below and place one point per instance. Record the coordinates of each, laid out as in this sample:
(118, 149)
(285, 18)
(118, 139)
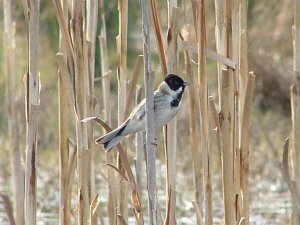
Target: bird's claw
(155, 144)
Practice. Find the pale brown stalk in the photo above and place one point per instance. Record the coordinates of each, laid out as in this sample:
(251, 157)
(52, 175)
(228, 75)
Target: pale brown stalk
(133, 82)
(139, 155)
(106, 76)
(171, 128)
(65, 92)
(149, 108)
(243, 45)
(215, 124)
(193, 48)
(235, 32)
(122, 93)
(158, 35)
(203, 98)
(296, 103)
(63, 24)
(245, 135)
(65, 204)
(236, 101)
(81, 85)
(196, 152)
(13, 124)
(199, 216)
(227, 150)
(32, 92)
(89, 51)
(220, 34)
(8, 208)
(288, 178)
(126, 174)
(243, 82)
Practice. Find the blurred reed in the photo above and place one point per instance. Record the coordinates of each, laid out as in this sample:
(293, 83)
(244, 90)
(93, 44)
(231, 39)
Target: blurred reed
(293, 179)
(14, 133)
(221, 123)
(32, 103)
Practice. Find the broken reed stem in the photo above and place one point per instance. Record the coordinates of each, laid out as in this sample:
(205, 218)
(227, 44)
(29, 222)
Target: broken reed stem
(245, 133)
(32, 93)
(13, 126)
(149, 108)
(171, 128)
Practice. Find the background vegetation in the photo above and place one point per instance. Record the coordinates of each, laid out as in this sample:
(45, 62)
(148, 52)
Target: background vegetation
(270, 57)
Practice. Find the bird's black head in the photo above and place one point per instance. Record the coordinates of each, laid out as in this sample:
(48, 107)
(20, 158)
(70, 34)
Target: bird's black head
(175, 82)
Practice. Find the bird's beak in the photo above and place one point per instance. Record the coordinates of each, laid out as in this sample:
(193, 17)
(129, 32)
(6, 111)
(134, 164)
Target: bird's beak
(186, 83)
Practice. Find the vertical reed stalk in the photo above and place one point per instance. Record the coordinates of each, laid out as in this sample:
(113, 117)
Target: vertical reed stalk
(245, 131)
(32, 93)
(171, 128)
(220, 34)
(243, 45)
(90, 43)
(122, 93)
(14, 136)
(158, 35)
(234, 5)
(149, 108)
(105, 71)
(203, 98)
(296, 103)
(227, 152)
(106, 74)
(80, 84)
(139, 149)
(196, 153)
(65, 194)
(244, 116)
(65, 203)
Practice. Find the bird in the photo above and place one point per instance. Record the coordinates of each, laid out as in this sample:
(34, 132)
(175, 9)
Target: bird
(167, 100)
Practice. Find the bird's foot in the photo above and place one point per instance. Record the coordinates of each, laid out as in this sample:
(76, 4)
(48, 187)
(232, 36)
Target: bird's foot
(152, 143)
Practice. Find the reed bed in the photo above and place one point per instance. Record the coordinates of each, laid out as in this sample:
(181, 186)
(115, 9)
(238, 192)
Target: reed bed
(218, 125)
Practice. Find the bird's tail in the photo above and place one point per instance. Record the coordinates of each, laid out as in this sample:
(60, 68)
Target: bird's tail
(112, 138)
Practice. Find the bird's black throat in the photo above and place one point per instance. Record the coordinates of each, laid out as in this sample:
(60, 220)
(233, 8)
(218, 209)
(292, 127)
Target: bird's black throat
(177, 100)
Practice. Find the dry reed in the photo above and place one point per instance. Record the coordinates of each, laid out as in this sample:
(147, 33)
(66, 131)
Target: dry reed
(149, 108)
(13, 123)
(32, 102)
(171, 128)
(228, 130)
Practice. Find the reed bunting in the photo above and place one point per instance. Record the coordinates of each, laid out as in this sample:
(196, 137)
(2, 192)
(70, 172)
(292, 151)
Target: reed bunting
(167, 99)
